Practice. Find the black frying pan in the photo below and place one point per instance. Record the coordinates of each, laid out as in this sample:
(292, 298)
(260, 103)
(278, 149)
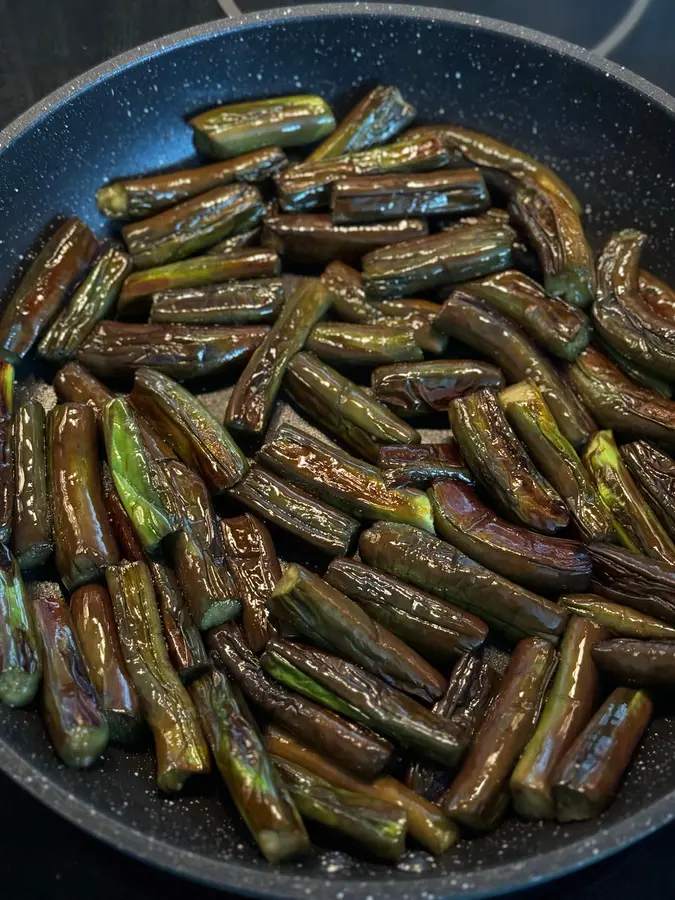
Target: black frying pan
(608, 132)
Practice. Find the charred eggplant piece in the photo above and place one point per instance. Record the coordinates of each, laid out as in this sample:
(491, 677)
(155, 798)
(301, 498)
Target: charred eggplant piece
(645, 584)
(403, 465)
(20, 659)
(231, 303)
(32, 534)
(654, 472)
(194, 503)
(635, 373)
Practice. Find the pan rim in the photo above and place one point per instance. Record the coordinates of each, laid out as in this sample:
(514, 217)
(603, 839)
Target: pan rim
(283, 884)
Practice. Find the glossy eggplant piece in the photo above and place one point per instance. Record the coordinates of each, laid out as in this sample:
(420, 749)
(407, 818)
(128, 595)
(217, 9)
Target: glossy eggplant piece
(331, 620)
(436, 566)
(619, 619)
(637, 662)
(342, 480)
(20, 662)
(468, 250)
(134, 300)
(72, 713)
(56, 270)
(365, 698)
(253, 397)
(183, 640)
(569, 706)
(590, 772)
(7, 486)
(620, 315)
(137, 198)
(616, 402)
(403, 465)
(634, 521)
(180, 746)
(364, 345)
(85, 544)
(253, 564)
(91, 302)
(467, 699)
(198, 438)
(634, 372)
(314, 238)
(375, 119)
(343, 408)
(98, 642)
(296, 511)
(546, 564)
(308, 185)
(501, 464)
(250, 775)
(657, 294)
(436, 629)
(194, 506)
(532, 420)
(349, 294)
(429, 386)
(654, 471)
(350, 745)
(32, 534)
(378, 826)
(208, 588)
(478, 795)
(130, 546)
(489, 332)
(232, 303)
(250, 237)
(419, 315)
(227, 131)
(645, 584)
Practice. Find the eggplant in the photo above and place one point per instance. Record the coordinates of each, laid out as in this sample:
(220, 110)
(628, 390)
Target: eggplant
(32, 534)
(254, 302)
(617, 618)
(637, 662)
(20, 655)
(7, 486)
(364, 345)
(638, 581)
(417, 465)
(654, 471)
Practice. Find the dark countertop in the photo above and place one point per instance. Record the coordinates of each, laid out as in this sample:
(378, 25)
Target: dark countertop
(43, 43)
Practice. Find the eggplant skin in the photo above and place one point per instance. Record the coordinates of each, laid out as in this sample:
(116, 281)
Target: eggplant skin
(634, 580)
(636, 662)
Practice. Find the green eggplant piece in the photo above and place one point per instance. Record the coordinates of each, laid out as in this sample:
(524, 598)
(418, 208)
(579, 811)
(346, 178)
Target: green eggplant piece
(194, 506)
(632, 579)
(364, 698)
(532, 420)
(91, 302)
(590, 772)
(343, 408)
(425, 387)
(250, 237)
(232, 303)
(75, 722)
(560, 327)
(436, 629)
(349, 294)
(137, 198)
(198, 438)
(32, 534)
(635, 373)
(20, 658)
(308, 185)
(501, 464)
(486, 330)
(135, 297)
(405, 465)
(635, 523)
(467, 250)
(253, 397)
(57, 269)
(180, 746)
(568, 708)
(130, 546)
(657, 294)
(356, 748)
(621, 620)
(434, 565)
(7, 486)
(541, 563)
(377, 826)
(296, 511)
(208, 588)
(253, 564)
(375, 119)
(477, 797)
(316, 239)
(466, 701)
(654, 472)
(616, 402)
(99, 644)
(139, 480)
(337, 478)
(620, 315)
(250, 775)
(641, 663)
(85, 544)
(503, 166)
(118, 349)
(328, 618)
(227, 131)
(364, 345)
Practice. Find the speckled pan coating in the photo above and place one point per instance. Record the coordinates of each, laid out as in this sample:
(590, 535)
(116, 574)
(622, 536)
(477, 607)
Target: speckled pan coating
(607, 131)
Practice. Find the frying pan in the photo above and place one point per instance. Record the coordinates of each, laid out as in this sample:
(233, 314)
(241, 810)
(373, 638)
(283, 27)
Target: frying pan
(608, 132)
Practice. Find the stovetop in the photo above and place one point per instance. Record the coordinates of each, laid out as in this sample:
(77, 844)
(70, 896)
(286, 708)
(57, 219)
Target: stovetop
(43, 43)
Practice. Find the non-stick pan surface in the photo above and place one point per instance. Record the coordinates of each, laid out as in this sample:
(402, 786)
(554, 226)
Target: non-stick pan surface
(608, 132)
